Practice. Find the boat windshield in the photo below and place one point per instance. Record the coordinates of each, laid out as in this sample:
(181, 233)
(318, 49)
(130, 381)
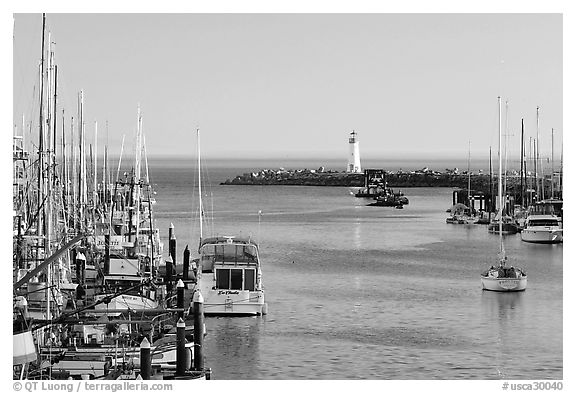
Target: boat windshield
(229, 252)
(543, 223)
(546, 208)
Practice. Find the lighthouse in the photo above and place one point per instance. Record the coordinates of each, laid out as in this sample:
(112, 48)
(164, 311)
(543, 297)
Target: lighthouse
(354, 155)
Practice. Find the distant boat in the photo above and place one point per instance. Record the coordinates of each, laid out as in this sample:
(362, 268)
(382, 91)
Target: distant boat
(503, 224)
(459, 214)
(502, 278)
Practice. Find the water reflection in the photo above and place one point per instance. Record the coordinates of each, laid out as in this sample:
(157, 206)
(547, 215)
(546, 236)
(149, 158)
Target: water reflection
(357, 235)
(501, 305)
(234, 340)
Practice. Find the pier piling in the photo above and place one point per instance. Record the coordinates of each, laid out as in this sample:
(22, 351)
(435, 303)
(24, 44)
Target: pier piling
(198, 331)
(107, 253)
(145, 360)
(172, 243)
(169, 274)
(180, 298)
(181, 348)
(186, 263)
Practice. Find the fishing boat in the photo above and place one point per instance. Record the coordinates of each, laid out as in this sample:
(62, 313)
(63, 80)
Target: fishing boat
(543, 225)
(502, 278)
(229, 270)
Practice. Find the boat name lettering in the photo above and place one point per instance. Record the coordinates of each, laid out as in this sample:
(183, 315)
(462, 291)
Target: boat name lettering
(228, 292)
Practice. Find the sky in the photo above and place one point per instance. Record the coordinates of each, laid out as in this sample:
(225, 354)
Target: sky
(295, 85)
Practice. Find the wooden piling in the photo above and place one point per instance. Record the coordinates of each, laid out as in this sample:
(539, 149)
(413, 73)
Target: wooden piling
(180, 298)
(169, 274)
(198, 331)
(181, 348)
(145, 359)
(172, 243)
(107, 253)
(186, 263)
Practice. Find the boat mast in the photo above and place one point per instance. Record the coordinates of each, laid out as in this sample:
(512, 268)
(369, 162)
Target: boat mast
(500, 172)
(40, 223)
(199, 182)
(490, 207)
(522, 166)
(540, 194)
(535, 171)
(468, 175)
(552, 183)
(54, 136)
(95, 164)
(505, 205)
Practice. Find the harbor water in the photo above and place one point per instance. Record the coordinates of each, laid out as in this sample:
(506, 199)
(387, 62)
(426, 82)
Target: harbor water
(361, 292)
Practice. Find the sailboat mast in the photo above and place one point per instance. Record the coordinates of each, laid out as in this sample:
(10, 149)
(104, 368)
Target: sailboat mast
(54, 110)
(491, 193)
(552, 183)
(535, 171)
(95, 163)
(522, 166)
(538, 153)
(505, 182)
(199, 183)
(41, 135)
(500, 170)
(468, 174)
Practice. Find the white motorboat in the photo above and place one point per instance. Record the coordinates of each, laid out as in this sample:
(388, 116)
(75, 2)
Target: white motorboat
(542, 229)
(230, 277)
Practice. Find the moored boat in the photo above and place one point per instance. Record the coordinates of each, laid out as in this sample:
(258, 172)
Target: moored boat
(502, 278)
(230, 276)
(543, 229)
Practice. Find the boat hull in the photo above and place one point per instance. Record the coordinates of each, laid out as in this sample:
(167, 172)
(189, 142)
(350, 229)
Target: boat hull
(125, 303)
(507, 228)
(234, 303)
(542, 236)
(504, 284)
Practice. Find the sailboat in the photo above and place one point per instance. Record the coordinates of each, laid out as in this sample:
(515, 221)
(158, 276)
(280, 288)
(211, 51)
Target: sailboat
(502, 278)
(229, 270)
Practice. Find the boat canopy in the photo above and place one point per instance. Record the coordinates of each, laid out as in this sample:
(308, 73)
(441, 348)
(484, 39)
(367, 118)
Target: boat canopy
(543, 221)
(228, 239)
(226, 250)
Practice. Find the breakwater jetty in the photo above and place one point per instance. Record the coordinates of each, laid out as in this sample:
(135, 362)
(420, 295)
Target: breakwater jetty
(399, 179)
(480, 185)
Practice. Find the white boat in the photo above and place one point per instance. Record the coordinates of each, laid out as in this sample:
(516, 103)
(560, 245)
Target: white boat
(230, 276)
(543, 229)
(124, 303)
(502, 278)
(229, 273)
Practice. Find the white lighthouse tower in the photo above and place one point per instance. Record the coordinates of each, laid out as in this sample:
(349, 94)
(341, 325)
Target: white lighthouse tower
(354, 156)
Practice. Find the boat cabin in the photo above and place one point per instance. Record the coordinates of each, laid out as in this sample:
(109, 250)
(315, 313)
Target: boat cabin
(233, 261)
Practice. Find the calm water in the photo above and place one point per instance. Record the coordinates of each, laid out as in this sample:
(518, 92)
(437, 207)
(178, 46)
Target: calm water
(370, 292)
